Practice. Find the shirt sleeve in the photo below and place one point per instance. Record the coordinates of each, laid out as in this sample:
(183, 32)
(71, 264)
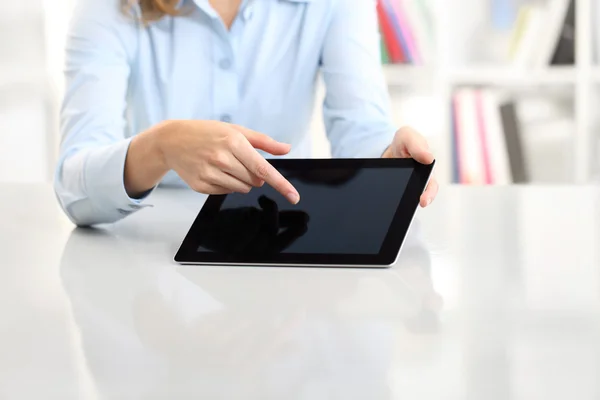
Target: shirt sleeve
(89, 176)
(356, 110)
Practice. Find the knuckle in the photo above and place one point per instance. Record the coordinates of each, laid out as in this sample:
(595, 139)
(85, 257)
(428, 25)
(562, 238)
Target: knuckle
(198, 186)
(220, 160)
(262, 171)
(245, 189)
(209, 176)
(403, 132)
(233, 140)
(399, 136)
(257, 182)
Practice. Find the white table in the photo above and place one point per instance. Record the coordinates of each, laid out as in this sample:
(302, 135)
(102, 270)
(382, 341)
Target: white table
(497, 296)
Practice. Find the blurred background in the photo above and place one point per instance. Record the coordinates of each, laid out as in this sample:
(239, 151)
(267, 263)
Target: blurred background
(505, 90)
(32, 36)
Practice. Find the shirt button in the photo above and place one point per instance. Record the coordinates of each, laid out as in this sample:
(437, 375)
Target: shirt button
(226, 118)
(225, 63)
(248, 13)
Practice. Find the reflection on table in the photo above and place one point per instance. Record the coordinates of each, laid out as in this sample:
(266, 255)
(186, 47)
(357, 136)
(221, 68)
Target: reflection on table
(150, 330)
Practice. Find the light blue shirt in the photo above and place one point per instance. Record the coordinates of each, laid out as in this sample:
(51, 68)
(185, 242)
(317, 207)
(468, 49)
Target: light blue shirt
(122, 77)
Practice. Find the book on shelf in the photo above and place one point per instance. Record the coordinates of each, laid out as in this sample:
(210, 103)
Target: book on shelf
(565, 49)
(406, 30)
(468, 138)
(394, 51)
(514, 145)
(486, 139)
(543, 34)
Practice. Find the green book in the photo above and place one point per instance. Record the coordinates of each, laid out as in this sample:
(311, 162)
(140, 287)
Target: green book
(385, 57)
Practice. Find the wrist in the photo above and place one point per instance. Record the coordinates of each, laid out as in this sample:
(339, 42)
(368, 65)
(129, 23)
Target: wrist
(145, 164)
(159, 142)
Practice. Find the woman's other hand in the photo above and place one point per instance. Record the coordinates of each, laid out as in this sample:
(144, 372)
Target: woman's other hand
(408, 143)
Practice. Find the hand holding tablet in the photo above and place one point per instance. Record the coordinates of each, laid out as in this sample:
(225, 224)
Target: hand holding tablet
(354, 212)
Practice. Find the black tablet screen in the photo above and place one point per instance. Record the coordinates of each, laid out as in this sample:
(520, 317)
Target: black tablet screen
(343, 211)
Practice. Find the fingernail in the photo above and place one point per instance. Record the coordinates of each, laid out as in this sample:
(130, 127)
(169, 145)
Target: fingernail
(429, 201)
(294, 198)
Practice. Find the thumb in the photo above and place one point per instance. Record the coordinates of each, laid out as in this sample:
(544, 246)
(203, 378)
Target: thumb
(416, 146)
(263, 142)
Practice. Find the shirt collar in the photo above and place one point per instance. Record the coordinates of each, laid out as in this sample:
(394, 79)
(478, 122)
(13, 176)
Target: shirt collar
(204, 5)
(245, 9)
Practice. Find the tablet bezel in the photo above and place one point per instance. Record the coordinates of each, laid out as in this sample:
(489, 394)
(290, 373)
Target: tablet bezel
(390, 248)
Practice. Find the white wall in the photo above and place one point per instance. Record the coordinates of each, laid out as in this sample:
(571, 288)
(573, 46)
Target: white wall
(24, 103)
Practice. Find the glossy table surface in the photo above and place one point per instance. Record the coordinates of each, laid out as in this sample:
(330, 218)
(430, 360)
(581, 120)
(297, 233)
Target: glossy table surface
(496, 296)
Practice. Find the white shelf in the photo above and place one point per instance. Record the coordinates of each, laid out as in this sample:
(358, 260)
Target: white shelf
(508, 76)
(404, 75)
(408, 75)
(595, 73)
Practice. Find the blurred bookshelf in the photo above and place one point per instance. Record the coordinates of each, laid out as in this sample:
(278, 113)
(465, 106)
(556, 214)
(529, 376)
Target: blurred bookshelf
(524, 66)
(400, 75)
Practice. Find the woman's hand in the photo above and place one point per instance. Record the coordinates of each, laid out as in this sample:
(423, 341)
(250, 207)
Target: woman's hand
(211, 157)
(408, 143)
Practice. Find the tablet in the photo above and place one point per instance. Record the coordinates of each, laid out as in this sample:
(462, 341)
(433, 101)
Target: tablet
(352, 213)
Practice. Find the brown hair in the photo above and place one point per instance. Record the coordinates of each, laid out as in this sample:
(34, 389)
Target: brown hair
(153, 10)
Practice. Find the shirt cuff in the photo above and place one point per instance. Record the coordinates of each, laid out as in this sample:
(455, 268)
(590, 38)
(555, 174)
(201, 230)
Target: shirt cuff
(104, 175)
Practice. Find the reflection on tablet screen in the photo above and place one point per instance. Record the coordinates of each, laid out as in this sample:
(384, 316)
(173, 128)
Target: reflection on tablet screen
(261, 229)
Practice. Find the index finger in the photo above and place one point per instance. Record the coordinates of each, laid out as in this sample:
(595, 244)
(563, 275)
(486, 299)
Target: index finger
(263, 142)
(260, 167)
